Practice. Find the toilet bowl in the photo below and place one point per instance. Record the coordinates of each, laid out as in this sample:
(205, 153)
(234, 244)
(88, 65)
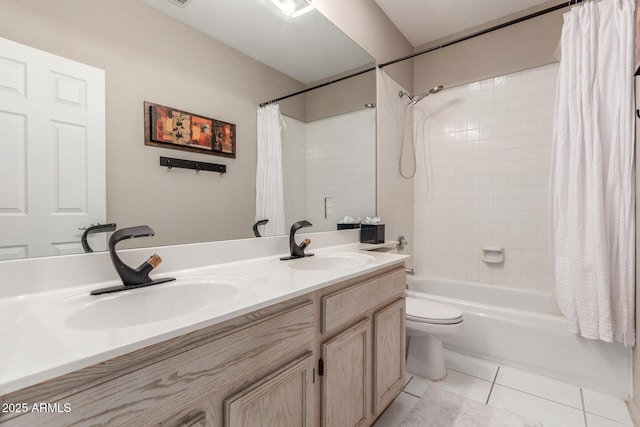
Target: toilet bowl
(428, 324)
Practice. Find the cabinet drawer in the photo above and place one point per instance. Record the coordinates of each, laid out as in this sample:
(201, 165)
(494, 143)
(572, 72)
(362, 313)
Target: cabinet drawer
(347, 304)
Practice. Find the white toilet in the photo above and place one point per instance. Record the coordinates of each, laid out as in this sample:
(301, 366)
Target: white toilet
(428, 324)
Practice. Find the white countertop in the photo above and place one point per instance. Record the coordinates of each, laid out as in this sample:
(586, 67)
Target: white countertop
(38, 345)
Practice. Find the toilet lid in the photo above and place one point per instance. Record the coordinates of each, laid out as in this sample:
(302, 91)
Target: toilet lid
(425, 311)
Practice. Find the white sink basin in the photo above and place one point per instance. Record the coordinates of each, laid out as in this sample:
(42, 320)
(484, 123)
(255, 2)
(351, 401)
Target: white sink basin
(186, 296)
(336, 261)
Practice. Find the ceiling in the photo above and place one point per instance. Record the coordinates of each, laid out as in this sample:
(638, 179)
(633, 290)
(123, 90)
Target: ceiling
(308, 48)
(423, 21)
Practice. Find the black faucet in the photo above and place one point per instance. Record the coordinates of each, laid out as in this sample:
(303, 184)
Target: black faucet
(255, 226)
(98, 228)
(297, 251)
(132, 277)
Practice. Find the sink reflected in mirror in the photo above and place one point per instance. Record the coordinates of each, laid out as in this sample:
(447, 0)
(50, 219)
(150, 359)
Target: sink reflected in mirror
(187, 296)
(337, 261)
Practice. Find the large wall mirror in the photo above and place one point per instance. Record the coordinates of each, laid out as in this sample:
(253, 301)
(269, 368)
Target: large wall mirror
(219, 59)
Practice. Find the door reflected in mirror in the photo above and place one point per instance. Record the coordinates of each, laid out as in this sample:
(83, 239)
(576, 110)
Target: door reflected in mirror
(164, 59)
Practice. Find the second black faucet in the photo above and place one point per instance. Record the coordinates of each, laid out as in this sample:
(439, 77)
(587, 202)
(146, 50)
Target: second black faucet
(297, 251)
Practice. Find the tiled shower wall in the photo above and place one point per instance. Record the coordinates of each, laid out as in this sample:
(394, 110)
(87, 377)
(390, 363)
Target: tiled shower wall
(341, 164)
(332, 157)
(483, 156)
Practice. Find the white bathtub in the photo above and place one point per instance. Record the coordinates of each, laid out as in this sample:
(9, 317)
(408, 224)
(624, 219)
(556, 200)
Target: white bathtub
(518, 328)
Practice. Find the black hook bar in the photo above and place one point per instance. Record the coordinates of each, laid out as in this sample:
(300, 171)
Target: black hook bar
(190, 164)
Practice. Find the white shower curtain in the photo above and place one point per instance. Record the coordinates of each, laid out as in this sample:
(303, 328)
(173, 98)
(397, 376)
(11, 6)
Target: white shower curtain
(592, 190)
(269, 186)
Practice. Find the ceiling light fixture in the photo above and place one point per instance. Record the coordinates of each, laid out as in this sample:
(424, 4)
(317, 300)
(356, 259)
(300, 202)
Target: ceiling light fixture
(293, 8)
(180, 3)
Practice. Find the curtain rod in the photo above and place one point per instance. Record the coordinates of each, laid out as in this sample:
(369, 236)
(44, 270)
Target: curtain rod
(422, 52)
(264, 104)
(482, 32)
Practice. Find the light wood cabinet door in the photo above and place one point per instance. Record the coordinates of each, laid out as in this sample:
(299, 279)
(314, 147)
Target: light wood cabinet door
(284, 398)
(197, 418)
(389, 354)
(346, 377)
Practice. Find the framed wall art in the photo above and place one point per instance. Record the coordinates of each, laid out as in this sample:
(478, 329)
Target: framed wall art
(180, 130)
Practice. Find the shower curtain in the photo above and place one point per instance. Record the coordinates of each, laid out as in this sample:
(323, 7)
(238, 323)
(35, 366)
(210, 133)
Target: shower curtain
(592, 190)
(269, 186)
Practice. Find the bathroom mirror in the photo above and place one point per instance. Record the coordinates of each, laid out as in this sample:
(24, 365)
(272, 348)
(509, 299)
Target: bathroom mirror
(258, 54)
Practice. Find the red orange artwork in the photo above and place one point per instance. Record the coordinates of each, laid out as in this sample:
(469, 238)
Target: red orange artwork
(172, 128)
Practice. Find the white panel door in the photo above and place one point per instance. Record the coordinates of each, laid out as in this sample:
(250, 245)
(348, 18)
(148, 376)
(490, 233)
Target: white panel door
(52, 152)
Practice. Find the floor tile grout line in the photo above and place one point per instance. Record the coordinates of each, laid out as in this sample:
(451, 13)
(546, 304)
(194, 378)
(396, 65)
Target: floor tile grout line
(540, 397)
(584, 408)
(408, 382)
(405, 386)
(581, 408)
(584, 411)
(470, 375)
(411, 394)
(495, 377)
(615, 420)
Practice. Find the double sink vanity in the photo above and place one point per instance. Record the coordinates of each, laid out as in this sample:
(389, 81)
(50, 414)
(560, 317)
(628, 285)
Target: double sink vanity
(240, 338)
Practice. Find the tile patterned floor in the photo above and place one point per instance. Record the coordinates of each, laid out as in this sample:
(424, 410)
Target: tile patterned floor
(541, 399)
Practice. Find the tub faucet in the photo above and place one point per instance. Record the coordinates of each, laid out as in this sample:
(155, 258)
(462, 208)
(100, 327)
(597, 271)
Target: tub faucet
(297, 251)
(132, 277)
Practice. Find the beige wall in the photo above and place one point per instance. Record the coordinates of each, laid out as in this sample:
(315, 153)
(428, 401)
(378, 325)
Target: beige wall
(369, 27)
(337, 98)
(518, 47)
(395, 193)
(342, 97)
(150, 57)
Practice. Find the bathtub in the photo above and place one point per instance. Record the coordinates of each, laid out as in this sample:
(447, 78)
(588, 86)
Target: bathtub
(523, 329)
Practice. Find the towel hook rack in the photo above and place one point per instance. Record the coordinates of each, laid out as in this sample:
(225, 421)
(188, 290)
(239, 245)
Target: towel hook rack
(190, 164)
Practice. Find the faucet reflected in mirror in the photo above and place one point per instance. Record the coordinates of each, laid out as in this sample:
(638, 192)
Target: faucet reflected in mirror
(132, 277)
(297, 251)
(256, 232)
(236, 92)
(98, 228)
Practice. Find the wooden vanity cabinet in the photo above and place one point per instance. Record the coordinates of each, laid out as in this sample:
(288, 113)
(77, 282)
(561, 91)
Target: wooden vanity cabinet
(345, 368)
(284, 398)
(179, 382)
(362, 347)
(388, 354)
(333, 357)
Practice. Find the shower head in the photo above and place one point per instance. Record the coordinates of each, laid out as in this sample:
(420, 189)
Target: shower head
(407, 94)
(414, 100)
(427, 93)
